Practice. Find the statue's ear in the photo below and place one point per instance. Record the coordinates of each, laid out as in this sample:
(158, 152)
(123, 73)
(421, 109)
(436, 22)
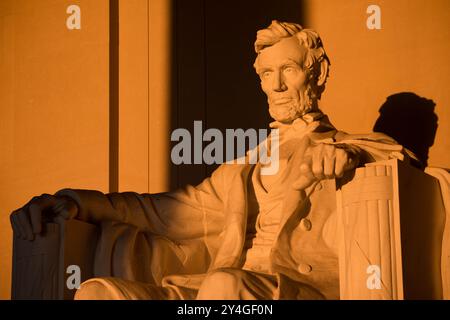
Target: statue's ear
(323, 72)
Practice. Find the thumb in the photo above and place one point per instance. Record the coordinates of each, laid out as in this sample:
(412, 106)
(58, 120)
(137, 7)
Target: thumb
(66, 208)
(307, 177)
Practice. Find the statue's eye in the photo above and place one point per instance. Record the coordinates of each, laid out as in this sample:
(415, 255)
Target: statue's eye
(289, 70)
(266, 74)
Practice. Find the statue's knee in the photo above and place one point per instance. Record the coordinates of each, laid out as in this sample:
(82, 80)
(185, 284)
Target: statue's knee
(221, 284)
(222, 277)
(97, 289)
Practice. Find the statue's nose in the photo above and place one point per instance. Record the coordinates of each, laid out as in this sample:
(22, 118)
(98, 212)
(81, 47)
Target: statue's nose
(280, 88)
(278, 83)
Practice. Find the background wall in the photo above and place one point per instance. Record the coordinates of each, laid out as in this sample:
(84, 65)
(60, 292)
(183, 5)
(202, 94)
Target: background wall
(53, 106)
(145, 95)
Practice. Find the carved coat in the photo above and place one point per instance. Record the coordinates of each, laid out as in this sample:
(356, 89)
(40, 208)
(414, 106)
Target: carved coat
(194, 230)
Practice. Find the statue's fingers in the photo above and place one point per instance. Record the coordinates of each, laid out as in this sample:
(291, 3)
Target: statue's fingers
(317, 162)
(66, 208)
(341, 161)
(329, 163)
(24, 221)
(306, 177)
(36, 208)
(36, 218)
(16, 225)
(351, 163)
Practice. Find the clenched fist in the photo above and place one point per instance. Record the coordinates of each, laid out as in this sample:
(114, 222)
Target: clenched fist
(27, 221)
(317, 161)
(325, 161)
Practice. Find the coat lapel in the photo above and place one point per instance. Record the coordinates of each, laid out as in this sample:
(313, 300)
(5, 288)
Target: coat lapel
(235, 210)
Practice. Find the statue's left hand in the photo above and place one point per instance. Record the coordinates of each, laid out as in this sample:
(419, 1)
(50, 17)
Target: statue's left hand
(28, 221)
(325, 161)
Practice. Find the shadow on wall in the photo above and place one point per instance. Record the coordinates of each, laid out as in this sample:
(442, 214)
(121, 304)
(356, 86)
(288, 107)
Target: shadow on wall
(409, 119)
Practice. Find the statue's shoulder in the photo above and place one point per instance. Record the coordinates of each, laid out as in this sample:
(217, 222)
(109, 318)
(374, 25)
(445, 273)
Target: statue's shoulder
(227, 172)
(373, 136)
(230, 168)
(376, 146)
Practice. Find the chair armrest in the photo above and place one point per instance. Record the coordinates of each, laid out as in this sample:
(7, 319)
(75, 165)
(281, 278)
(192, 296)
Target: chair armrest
(39, 268)
(392, 220)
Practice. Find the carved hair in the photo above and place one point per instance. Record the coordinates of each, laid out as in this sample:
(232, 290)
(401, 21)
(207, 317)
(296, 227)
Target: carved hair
(316, 63)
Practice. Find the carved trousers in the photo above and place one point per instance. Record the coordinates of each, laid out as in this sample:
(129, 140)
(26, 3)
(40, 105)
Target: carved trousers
(220, 284)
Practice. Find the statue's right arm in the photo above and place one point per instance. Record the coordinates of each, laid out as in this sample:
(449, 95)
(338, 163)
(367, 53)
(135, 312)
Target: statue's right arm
(179, 214)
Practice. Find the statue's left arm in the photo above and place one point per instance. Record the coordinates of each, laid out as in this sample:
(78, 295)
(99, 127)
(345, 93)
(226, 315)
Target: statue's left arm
(178, 214)
(332, 157)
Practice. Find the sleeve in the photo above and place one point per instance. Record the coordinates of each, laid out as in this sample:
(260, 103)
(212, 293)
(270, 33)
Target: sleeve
(165, 214)
(373, 147)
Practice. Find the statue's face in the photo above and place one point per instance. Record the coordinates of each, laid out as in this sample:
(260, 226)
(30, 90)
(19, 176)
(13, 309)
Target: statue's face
(283, 79)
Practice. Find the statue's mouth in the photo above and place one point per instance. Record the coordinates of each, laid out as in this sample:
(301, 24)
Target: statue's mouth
(281, 100)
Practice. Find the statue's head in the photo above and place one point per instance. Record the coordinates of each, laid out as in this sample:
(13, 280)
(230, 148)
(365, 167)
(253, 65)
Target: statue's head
(293, 68)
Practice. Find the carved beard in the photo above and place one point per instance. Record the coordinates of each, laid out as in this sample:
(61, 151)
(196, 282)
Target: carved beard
(288, 112)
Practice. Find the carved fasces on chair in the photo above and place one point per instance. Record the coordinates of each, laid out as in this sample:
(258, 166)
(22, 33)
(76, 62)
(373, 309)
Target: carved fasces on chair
(40, 266)
(369, 257)
(36, 266)
(391, 219)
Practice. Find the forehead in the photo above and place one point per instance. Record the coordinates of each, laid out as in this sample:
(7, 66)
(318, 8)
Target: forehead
(288, 49)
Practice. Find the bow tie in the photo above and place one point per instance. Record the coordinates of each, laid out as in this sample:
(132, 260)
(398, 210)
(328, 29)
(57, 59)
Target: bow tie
(308, 124)
(299, 122)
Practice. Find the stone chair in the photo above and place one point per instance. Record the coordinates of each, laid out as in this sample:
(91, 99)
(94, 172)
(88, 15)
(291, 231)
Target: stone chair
(393, 227)
(395, 233)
